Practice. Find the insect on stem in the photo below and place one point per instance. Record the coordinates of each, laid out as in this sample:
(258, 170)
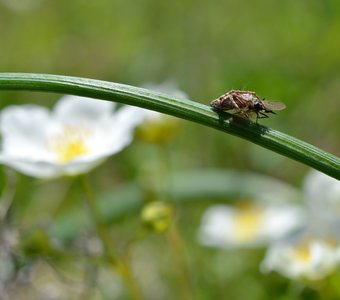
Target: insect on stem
(246, 104)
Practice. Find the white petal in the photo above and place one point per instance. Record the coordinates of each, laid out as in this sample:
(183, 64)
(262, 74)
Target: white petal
(79, 110)
(24, 130)
(281, 220)
(46, 169)
(37, 169)
(217, 226)
(151, 115)
(322, 196)
(118, 133)
(80, 167)
(168, 87)
(129, 116)
(321, 188)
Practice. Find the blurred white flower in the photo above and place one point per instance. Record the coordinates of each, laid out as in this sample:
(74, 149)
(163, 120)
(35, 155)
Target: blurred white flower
(167, 87)
(249, 225)
(158, 127)
(321, 189)
(322, 198)
(304, 239)
(72, 139)
(310, 254)
(303, 258)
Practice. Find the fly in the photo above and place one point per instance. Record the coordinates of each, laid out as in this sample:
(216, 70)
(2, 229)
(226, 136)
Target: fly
(246, 103)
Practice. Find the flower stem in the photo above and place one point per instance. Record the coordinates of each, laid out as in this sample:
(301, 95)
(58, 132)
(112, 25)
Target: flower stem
(110, 256)
(266, 137)
(8, 193)
(176, 246)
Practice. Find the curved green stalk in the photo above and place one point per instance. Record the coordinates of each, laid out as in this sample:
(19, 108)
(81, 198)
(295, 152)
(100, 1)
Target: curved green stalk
(185, 109)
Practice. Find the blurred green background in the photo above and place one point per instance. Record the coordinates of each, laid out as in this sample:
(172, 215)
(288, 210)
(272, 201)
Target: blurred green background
(284, 50)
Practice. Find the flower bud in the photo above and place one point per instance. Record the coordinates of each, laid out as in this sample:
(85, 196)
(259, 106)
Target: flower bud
(157, 216)
(158, 128)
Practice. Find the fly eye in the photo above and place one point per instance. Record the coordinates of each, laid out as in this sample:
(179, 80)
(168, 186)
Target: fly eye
(258, 106)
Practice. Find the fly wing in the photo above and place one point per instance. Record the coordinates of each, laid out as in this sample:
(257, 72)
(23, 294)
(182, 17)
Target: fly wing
(274, 105)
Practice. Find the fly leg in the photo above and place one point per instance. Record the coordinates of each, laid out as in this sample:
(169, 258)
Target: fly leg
(243, 113)
(260, 115)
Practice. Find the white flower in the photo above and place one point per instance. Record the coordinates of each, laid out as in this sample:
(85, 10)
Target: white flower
(75, 137)
(304, 239)
(322, 190)
(157, 127)
(248, 226)
(322, 197)
(168, 87)
(305, 258)
(310, 254)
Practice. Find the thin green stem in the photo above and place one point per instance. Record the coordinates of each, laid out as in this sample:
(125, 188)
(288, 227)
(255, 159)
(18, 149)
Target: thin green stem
(176, 246)
(98, 222)
(112, 258)
(8, 193)
(185, 109)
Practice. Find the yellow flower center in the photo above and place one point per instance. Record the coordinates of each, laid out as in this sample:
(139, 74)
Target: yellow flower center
(70, 144)
(247, 223)
(303, 253)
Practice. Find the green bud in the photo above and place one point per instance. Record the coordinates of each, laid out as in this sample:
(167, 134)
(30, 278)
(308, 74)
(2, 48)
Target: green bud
(157, 216)
(158, 130)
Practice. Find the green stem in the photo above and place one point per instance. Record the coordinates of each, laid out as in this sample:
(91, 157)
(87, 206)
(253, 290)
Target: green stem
(185, 109)
(176, 246)
(103, 233)
(99, 224)
(8, 193)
